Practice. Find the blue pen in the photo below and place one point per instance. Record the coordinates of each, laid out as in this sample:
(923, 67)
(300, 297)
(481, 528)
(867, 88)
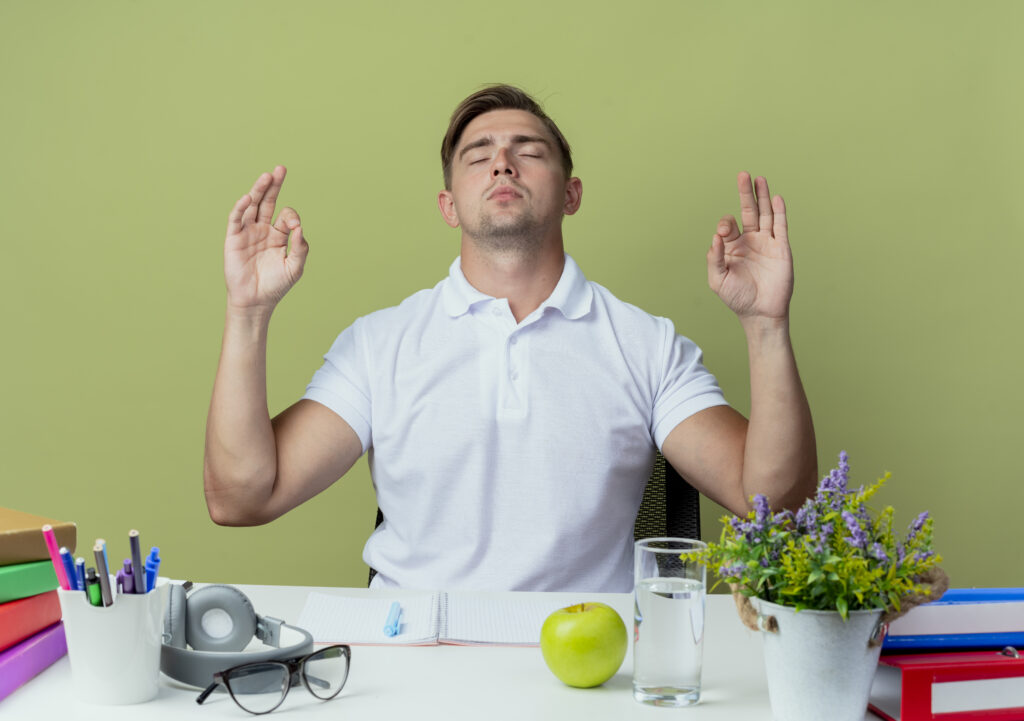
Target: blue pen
(69, 568)
(391, 625)
(80, 573)
(152, 567)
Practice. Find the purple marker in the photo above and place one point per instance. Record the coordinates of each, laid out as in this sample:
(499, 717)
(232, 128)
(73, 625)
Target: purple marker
(125, 578)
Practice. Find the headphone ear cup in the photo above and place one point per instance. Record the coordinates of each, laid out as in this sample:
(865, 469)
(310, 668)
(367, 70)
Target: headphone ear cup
(174, 619)
(219, 618)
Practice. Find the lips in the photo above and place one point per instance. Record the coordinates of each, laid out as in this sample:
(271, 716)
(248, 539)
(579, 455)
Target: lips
(504, 193)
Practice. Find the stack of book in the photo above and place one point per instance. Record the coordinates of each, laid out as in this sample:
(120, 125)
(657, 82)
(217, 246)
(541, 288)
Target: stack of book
(958, 658)
(31, 634)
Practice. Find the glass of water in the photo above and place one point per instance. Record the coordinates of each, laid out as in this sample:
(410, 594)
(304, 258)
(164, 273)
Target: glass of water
(668, 632)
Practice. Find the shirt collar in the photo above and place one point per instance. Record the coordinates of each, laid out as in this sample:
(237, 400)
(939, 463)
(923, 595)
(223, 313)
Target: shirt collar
(572, 296)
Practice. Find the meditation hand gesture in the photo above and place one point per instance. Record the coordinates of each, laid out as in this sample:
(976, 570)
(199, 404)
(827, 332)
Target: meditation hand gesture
(257, 267)
(752, 271)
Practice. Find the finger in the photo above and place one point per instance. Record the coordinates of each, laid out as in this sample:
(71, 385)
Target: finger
(235, 216)
(728, 229)
(764, 205)
(298, 249)
(259, 188)
(781, 228)
(716, 262)
(266, 213)
(748, 204)
(287, 220)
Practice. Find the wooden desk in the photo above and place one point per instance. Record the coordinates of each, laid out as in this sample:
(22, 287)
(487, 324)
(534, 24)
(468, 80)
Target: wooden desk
(444, 682)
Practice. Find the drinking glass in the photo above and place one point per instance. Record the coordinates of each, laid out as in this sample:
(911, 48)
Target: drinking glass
(668, 622)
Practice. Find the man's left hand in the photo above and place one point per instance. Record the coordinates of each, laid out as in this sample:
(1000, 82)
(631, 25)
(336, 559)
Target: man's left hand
(752, 270)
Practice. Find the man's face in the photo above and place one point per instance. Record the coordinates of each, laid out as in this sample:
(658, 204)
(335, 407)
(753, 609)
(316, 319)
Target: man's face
(508, 186)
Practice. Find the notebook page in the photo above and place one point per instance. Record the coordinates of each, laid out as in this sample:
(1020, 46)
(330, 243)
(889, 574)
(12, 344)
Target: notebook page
(487, 619)
(344, 619)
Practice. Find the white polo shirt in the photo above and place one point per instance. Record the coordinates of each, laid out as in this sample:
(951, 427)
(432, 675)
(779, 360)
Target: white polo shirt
(505, 456)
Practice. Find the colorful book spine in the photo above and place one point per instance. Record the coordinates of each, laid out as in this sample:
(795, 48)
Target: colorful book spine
(21, 538)
(963, 618)
(27, 617)
(952, 686)
(26, 660)
(22, 580)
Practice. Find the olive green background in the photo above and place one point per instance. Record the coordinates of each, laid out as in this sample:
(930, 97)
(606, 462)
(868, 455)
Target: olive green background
(129, 129)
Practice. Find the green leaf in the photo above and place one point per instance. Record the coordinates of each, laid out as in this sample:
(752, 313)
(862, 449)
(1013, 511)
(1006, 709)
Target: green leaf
(843, 608)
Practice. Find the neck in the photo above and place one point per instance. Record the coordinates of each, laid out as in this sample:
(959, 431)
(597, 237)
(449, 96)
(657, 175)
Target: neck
(526, 279)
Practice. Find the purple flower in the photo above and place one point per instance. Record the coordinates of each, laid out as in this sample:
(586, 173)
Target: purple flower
(917, 525)
(735, 571)
(762, 509)
(857, 538)
(844, 463)
(879, 552)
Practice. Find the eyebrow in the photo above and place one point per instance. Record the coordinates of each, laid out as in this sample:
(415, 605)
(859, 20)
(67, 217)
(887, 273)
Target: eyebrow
(516, 140)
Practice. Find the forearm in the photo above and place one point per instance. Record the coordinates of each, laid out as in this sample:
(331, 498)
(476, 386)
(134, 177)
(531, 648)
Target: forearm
(780, 455)
(240, 462)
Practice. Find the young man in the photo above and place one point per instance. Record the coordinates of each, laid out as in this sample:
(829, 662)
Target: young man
(510, 413)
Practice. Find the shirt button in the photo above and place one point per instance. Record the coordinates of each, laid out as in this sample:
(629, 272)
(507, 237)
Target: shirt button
(496, 310)
(513, 340)
(515, 375)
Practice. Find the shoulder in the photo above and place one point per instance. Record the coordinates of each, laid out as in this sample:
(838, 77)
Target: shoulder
(610, 308)
(420, 304)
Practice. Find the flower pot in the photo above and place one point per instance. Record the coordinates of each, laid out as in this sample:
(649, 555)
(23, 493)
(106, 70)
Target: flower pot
(818, 665)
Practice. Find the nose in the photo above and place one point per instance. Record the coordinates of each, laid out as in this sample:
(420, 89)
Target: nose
(503, 164)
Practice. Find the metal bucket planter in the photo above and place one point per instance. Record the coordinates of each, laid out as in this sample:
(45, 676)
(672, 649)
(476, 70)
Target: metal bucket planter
(818, 665)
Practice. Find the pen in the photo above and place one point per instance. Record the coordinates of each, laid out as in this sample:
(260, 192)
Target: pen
(152, 568)
(92, 587)
(391, 625)
(58, 565)
(101, 571)
(133, 540)
(80, 573)
(69, 568)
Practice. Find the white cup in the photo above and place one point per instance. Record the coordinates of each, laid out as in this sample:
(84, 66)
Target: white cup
(115, 650)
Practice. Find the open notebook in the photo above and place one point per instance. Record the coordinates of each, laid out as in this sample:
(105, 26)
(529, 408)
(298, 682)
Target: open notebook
(431, 618)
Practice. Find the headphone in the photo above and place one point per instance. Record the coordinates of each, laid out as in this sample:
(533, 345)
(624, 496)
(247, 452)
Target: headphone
(218, 622)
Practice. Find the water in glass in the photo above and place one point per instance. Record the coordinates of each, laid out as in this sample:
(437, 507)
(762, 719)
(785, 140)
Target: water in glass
(668, 641)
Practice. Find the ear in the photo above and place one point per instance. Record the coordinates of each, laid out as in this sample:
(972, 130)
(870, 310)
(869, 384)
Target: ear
(446, 203)
(573, 196)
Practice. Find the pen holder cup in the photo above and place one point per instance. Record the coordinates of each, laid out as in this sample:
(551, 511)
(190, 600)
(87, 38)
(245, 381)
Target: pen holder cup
(115, 650)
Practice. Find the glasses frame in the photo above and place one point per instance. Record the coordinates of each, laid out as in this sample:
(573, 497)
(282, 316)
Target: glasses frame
(292, 665)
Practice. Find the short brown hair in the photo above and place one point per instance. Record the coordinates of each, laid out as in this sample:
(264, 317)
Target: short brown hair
(496, 97)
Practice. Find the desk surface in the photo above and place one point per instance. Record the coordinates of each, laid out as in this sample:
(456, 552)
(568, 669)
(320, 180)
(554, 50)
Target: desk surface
(444, 682)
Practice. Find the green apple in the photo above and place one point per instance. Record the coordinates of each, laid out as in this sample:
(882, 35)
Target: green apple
(584, 644)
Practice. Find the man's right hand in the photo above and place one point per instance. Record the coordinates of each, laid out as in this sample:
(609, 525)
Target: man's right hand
(258, 268)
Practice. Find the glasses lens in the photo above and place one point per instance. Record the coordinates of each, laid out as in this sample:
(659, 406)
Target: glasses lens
(326, 671)
(258, 687)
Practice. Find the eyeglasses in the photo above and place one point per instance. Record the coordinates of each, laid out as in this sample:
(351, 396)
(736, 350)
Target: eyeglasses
(260, 687)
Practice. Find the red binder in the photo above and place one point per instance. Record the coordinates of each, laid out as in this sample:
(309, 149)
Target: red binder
(955, 686)
(27, 616)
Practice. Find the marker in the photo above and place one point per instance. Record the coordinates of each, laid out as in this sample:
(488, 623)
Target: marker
(101, 571)
(69, 568)
(80, 573)
(125, 578)
(58, 565)
(92, 587)
(152, 567)
(133, 540)
(391, 625)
